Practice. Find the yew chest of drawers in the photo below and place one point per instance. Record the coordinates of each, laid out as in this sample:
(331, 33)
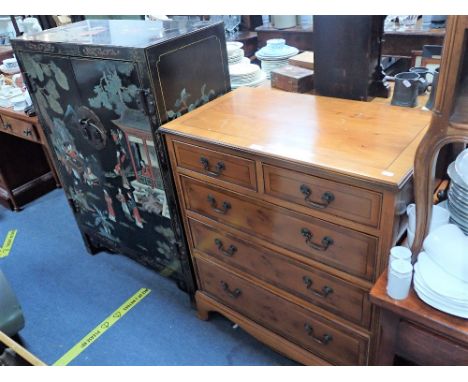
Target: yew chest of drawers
(291, 203)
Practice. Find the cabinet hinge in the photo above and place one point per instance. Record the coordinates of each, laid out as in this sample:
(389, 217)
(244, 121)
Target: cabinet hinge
(74, 206)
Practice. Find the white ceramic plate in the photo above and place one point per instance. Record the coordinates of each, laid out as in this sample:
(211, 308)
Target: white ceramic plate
(243, 69)
(440, 281)
(461, 166)
(457, 304)
(285, 51)
(235, 44)
(436, 304)
(262, 77)
(9, 71)
(243, 60)
(453, 174)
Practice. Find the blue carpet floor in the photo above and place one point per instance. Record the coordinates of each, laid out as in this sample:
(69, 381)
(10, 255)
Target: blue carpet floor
(65, 293)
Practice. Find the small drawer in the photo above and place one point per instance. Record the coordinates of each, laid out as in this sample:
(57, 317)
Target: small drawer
(19, 128)
(338, 199)
(335, 343)
(329, 292)
(218, 165)
(342, 248)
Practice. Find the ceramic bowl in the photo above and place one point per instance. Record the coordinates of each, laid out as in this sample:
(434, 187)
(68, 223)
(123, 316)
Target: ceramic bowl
(440, 281)
(10, 64)
(447, 246)
(461, 166)
(440, 216)
(7, 93)
(19, 103)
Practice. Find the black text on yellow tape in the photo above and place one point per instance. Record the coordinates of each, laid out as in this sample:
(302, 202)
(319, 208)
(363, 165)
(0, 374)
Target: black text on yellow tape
(99, 330)
(8, 243)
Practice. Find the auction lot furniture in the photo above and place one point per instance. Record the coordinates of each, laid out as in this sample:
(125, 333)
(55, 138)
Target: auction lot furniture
(291, 203)
(26, 170)
(102, 88)
(417, 332)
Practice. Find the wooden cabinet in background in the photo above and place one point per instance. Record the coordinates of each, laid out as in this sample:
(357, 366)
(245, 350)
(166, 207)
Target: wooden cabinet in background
(291, 203)
(26, 170)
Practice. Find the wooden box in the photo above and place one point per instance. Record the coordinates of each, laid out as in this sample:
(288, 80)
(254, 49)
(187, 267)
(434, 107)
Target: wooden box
(101, 89)
(303, 60)
(293, 79)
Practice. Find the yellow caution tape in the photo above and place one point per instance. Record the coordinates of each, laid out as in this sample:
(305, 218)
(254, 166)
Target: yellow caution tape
(8, 243)
(99, 330)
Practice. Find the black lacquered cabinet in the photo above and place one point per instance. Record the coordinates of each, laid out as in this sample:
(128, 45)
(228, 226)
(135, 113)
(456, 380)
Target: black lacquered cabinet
(102, 88)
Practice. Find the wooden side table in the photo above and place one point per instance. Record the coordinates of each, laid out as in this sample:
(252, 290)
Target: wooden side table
(417, 332)
(26, 168)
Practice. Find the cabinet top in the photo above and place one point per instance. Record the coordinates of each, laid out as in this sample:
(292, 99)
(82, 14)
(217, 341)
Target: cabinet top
(371, 141)
(122, 33)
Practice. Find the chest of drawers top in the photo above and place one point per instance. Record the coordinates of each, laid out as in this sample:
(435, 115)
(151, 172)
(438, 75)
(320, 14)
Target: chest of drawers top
(369, 141)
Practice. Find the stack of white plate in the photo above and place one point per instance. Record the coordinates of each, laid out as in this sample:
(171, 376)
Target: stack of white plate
(235, 52)
(275, 55)
(246, 74)
(458, 191)
(440, 289)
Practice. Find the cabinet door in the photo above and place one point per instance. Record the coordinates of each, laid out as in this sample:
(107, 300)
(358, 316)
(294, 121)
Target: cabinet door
(105, 151)
(189, 71)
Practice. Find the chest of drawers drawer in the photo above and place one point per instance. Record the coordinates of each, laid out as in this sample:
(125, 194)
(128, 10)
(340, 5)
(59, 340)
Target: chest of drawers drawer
(216, 164)
(331, 198)
(19, 128)
(335, 343)
(320, 288)
(345, 249)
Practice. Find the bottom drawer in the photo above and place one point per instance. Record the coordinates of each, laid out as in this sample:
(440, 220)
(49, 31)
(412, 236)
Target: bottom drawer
(426, 348)
(335, 343)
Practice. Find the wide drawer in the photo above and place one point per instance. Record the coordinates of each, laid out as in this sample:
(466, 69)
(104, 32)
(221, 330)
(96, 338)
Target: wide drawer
(320, 288)
(426, 348)
(336, 199)
(335, 343)
(19, 128)
(351, 251)
(222, 166)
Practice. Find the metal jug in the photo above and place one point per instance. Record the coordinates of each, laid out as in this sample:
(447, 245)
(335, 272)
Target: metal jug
(423, 72)
(435, 79)
(405, 92)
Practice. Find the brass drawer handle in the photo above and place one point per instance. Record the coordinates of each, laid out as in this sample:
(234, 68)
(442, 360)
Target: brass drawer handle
(326, 241)
(233, 294)
(324, 340)
(226, 205)
(27, 132)
(324, 292)
(226, 252)
(206, 166)
(327, 197)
